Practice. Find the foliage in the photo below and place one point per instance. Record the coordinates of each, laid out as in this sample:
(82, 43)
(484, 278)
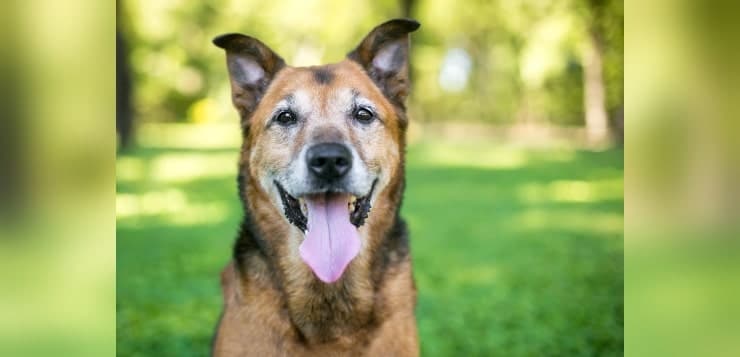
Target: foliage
(525, 55)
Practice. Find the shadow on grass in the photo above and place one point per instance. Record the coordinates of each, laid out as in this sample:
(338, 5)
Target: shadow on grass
(505, 263)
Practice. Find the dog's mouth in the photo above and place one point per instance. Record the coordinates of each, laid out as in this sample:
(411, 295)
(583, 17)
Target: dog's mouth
(329, 221)
(296, 209)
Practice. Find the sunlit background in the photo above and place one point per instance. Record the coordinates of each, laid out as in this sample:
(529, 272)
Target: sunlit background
(525, 63)
(525, 266)
(515, 167)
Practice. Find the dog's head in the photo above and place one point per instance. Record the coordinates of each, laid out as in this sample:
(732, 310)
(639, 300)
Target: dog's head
(323, 144)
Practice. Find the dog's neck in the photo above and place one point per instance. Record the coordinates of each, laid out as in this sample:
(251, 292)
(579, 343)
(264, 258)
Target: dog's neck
(321, 312)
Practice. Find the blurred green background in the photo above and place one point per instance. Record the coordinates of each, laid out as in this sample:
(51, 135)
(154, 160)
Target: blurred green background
(526, 62)
(58, 181)
(515, 171)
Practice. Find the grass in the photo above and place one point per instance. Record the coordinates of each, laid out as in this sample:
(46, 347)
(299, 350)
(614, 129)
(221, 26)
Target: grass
(517, 252)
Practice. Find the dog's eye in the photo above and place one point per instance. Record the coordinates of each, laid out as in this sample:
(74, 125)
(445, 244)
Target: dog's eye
(364, 116)
(286, 118)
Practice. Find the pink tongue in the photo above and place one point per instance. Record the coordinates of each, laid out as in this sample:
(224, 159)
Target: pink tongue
(331, 240)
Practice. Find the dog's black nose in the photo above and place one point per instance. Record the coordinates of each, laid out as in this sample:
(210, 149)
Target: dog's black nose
(329, 161)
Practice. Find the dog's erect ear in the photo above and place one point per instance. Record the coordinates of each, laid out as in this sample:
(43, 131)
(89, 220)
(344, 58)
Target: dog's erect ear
(384, 53)
(252, 66)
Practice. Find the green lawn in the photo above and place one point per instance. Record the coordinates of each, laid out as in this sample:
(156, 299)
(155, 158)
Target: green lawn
(517, 252)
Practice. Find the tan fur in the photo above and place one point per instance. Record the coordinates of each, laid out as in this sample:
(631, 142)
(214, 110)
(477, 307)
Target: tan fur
(254, 299)
(273, 304)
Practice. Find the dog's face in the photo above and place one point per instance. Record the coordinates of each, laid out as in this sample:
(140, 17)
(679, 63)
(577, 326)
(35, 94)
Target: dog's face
(325, 130)
(322, 142)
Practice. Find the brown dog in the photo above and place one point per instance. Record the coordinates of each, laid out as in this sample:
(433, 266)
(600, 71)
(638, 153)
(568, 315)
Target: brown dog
(315, 271)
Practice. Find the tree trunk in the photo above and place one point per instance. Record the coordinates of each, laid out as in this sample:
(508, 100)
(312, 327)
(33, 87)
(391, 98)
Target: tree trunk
(407, 8)
(594, 93)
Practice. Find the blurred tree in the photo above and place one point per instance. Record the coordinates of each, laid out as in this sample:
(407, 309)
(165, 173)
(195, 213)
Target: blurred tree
(124, 105)
(599, 22)
(514, 61)
(124, 115)
(407, 8)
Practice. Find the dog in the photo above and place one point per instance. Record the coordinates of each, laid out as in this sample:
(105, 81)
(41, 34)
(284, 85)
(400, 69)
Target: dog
(321, 265)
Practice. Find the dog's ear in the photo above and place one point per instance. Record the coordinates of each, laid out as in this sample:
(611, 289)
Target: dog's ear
(384, 53)
(252, 66)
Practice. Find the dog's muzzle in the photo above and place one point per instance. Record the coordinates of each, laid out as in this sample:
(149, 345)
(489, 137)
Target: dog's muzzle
(329, 214)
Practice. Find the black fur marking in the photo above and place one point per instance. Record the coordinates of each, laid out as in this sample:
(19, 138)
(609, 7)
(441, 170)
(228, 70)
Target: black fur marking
(292, 209)
(362, 208)
(394, 249)
(323, 75)
(240, 187)
(249, 240)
